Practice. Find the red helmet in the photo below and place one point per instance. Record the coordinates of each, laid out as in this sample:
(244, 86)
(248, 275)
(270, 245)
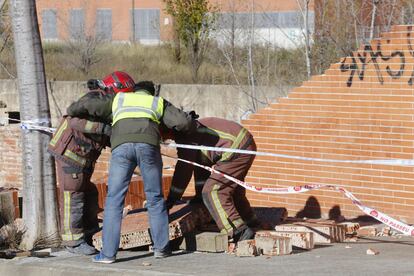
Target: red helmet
(119, 82)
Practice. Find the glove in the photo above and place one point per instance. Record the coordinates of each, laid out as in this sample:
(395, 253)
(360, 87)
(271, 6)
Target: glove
(193, 115)
(107, 130)
(92, 84)
(148, 86)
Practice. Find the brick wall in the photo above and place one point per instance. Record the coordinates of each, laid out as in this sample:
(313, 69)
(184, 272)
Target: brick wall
(10, 157)
(11, 166)
(361, 108)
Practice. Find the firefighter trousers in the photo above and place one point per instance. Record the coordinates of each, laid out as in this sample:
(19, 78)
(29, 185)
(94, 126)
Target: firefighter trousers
(226, 200)
(78, 204)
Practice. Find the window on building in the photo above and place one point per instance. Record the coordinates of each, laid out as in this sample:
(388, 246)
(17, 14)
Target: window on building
(263, 20)
(49, 27)
(77, 24)
(147, 24)
(104, 24)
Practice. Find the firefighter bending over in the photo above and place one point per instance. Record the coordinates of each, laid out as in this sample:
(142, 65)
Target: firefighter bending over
(225, 200)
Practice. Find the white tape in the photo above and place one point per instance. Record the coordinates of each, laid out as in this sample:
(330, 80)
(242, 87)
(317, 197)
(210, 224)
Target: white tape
(36, 127)
(395, 162)
(391, 222)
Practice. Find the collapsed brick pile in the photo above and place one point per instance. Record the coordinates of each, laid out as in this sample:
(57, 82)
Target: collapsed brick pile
(192, 229)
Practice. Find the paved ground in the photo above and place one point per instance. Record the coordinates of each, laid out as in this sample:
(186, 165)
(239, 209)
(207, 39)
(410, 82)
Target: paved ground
(396, 258)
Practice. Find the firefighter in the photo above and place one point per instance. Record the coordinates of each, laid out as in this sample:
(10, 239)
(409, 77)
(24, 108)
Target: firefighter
(76, 145)
(135, 142)
(225, 200)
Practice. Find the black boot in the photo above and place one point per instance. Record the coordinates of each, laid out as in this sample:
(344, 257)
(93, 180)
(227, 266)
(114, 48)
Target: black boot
(243, 233)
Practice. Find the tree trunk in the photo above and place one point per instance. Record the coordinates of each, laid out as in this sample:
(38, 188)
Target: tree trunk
(39, 181)
(374, 14)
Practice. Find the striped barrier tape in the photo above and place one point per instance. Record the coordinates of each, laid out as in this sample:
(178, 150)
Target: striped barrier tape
(35, 124)
(387, 220)
(395, 162)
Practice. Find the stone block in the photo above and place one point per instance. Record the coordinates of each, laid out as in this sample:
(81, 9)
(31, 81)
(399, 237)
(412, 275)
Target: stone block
(299, 240)
(273, 245)
(205, 242)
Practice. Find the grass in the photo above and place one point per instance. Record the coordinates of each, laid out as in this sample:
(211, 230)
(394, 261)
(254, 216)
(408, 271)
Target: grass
(271, 66)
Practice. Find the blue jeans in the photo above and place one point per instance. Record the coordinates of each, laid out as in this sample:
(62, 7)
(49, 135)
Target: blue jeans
(125, 158)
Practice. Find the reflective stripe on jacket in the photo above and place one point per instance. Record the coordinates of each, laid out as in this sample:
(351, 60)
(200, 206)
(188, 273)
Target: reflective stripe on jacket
(75, 147)
(137, 105)
(235, 141)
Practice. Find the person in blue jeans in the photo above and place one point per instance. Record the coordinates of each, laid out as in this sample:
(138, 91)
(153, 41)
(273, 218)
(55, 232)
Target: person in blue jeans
(137, 113)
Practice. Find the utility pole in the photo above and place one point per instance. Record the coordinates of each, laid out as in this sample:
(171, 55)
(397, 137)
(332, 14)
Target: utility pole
(39, 179)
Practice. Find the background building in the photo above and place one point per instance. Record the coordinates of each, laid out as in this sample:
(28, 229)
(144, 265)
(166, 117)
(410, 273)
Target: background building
(278, 22)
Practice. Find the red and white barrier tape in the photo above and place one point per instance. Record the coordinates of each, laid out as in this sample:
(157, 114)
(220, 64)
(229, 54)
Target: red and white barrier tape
(387, 220)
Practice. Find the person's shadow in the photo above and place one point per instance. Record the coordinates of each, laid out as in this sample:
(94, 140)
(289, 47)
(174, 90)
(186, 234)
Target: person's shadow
(312, 209)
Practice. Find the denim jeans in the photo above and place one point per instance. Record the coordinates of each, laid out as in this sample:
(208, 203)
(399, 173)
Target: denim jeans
(125, 158)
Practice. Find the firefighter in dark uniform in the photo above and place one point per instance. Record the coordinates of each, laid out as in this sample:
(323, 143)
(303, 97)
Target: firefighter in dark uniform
(76, 146)
(225, 200)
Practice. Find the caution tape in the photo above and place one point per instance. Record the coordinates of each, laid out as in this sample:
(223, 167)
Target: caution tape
(396, 162)
(387, 220)
(35, 124)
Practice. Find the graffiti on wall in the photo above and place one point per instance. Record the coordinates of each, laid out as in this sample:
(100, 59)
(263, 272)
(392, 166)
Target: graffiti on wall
(358, 62)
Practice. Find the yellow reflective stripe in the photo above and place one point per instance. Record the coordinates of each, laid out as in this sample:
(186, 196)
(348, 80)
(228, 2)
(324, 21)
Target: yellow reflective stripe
(89, 125)
(66, 214)
(205, 155)
(220, 210)
(223, 135)
(236, 144)
(67, 233)
(75, 157)
(71, 237)
(59, 132)
(137, 105)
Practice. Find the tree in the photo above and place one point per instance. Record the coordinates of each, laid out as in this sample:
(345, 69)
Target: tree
(304, 10)
(84, 43)
(39, 181)
(5, 35)
(193, 20)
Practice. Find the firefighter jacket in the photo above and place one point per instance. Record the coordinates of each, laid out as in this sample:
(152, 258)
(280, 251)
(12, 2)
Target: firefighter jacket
(211, 132)
(136, 116)
(78, 142)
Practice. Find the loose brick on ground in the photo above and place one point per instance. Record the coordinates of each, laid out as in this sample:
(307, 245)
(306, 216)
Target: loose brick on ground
(321, 233)
(299, 240)
(135, 226)
(246, 248)
(368, 231)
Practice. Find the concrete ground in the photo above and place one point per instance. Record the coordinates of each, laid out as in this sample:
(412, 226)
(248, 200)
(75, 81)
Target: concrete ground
(395, 257)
